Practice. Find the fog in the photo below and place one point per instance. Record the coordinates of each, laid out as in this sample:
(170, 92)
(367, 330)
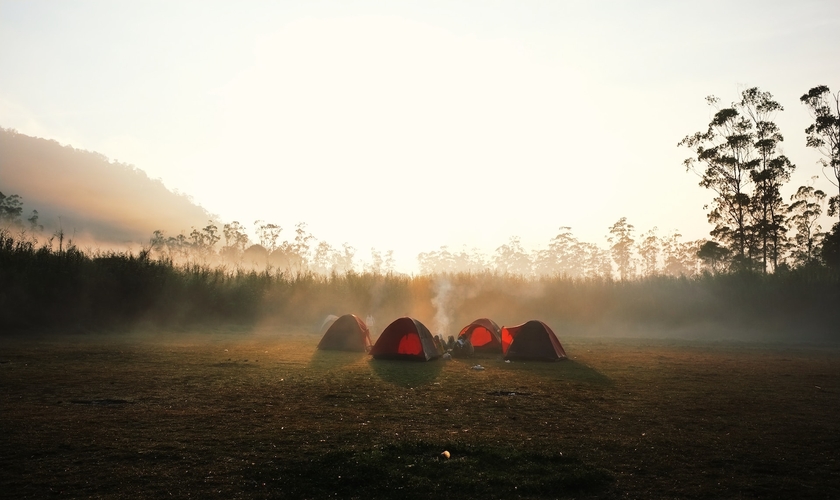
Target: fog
(92, 199)
(195, 270)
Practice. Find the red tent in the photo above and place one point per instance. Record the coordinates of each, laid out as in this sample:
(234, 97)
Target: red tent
(531, 340)
(484, 335)
(347, 333)
(406, 338)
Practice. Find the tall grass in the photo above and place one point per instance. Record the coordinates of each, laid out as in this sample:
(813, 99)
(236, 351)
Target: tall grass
(68, 290)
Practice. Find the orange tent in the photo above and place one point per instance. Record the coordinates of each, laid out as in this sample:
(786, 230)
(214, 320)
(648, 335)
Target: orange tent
(347, 333)
(484, 335)
(406, 338)
(531, 340)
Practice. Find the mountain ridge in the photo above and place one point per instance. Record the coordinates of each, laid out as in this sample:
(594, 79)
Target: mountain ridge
(88, 196)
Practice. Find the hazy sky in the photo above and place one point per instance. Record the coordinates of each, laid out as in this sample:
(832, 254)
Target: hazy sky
(406, 126)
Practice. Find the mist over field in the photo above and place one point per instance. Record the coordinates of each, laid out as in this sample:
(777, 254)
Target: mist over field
(114, 264)
(508, 162)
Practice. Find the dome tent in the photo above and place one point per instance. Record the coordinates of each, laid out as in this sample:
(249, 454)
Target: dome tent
(347, 333)
(484, 335)
(407, 339)
(532, 340)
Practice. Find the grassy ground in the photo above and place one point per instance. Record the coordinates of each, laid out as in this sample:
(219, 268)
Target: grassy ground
(219, 415)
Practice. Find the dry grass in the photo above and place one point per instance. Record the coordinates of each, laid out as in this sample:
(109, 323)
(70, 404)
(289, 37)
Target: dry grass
(254, 416)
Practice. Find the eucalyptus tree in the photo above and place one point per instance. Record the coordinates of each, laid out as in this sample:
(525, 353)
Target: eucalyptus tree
(380, 264)
(561, 258)
(649, 251)
(621, 247)
(805, 212)
(342, 261)
(390, 264)
(322, 258)
(770, 171)
(375, 266)
(34, 226)
(437, 261)
(235, 241)
(293, 256)
(824, 135)
(268, 234)
(11, 208)
(595, 260)
(679, 257)
(724, 158)
(564, 248)
(157, 243)
(204, 239)
(713, 255)
(468, 261)
(511, 258)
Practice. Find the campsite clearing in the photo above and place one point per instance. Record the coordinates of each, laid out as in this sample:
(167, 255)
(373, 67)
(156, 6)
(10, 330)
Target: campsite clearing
(237, 415)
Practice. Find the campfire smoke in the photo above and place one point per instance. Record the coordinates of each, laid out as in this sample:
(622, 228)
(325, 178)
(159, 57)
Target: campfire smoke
(442, 302)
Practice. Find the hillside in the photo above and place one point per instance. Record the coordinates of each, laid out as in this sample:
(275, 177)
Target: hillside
(93, 199)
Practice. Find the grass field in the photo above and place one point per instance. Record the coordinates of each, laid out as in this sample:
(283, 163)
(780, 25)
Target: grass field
(245, 415)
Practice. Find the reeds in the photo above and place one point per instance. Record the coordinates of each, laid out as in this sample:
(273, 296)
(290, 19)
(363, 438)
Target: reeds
(68, 290)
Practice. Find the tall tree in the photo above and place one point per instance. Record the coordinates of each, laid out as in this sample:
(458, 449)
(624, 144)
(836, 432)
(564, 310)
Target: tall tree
(726, 151)
(375, 266)
(712, 255)
(322, 258)
(390, 263)
(11, 207)
(561, 257)
(649, 251)
(805, 212)
(769, 174)
(204, 239)
(595, 260)
(293, 256)
(33, 221)
(511, 258)
(235, 241)
(621, 246)
(824, 135)
(343, 260)
(268, 234)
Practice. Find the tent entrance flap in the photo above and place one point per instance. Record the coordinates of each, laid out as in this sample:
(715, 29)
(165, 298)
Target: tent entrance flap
(410, 344)
(480, 337)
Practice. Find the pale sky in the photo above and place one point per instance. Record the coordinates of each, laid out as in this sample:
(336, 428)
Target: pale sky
(406, 126)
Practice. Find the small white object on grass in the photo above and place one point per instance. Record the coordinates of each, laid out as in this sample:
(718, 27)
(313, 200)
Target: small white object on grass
(477, 367)
(447, 356)
(445, 454)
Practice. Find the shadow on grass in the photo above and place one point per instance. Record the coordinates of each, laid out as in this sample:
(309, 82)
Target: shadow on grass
(324, 361)
(566, 369)
(416, 470)
(406, 373)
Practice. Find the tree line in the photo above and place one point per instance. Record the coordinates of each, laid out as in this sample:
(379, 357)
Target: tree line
(738, 158)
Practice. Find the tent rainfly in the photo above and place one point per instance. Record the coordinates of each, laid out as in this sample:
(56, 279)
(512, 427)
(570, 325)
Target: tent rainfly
(407, 339)
(326, 323)
(531, 340)
(347, 333)
(484, 335)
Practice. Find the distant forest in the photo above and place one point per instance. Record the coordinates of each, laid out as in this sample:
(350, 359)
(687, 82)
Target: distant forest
(768, 266)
